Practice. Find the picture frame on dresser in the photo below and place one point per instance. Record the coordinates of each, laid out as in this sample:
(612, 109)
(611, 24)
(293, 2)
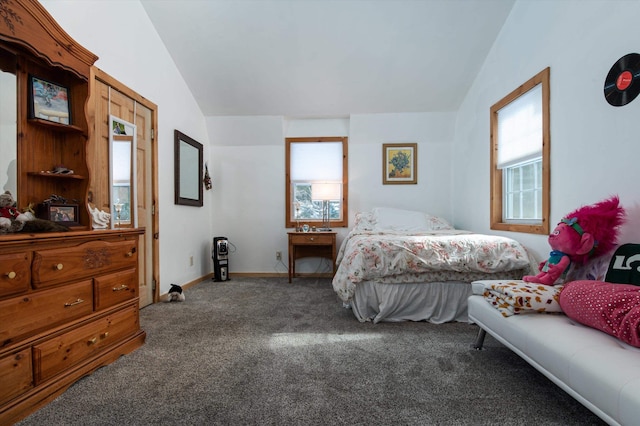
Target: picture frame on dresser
(49, 101)
(63, 214)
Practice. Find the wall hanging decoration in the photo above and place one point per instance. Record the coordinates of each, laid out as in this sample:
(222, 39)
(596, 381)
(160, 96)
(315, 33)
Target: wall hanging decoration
(622, 84)
(207, 179)
(399, 163)
(48, 101)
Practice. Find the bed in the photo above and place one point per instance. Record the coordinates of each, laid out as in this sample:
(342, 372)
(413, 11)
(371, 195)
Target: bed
(402, 265)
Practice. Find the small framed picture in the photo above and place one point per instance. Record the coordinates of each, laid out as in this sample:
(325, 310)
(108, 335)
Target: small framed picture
(48, 101)
(64, 214)
(399, 163)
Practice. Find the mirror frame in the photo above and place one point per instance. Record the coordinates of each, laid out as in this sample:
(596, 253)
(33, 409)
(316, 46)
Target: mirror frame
(183, 176)
(133, 172)
(9, 179)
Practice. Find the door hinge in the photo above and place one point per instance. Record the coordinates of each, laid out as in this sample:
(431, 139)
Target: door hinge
(153, 284)
(153, 133)
(156, 236)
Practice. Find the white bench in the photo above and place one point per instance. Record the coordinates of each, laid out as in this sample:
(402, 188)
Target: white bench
(598, 370)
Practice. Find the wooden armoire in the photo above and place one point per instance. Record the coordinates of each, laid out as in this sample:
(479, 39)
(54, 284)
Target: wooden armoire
(68, 300)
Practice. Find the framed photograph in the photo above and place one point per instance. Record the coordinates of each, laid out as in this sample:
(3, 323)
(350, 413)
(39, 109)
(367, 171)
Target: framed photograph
(48, 101)
(64, 214)
(399, 163)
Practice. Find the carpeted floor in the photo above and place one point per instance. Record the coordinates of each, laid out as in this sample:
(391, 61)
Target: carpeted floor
(266, 352)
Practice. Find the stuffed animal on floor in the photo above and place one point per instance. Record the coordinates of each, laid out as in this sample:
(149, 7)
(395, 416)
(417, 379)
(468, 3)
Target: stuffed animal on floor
(585, 233)
(175, 294)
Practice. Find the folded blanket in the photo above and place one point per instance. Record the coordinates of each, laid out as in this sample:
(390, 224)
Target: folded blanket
(515, 297)
(611, 308)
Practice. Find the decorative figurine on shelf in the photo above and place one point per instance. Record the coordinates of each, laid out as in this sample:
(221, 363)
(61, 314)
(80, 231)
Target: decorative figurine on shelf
(99, 219)
(585, 233)
(118, 208)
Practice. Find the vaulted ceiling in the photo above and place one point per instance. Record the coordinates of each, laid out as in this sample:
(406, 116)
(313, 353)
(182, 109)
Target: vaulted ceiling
(328, 58)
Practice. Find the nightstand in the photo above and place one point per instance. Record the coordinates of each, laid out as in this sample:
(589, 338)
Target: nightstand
(311, 244)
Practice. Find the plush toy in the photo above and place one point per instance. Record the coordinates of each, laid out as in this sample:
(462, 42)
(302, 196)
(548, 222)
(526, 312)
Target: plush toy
(176, 294)
(12, 220)
(585, 233)
(8, 208)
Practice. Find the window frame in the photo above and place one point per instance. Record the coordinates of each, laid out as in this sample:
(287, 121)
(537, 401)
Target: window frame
(497, 221)
(289, 223)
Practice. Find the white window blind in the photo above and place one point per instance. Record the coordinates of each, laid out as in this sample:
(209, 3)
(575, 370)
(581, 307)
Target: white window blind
(520, 129)
(316, 161)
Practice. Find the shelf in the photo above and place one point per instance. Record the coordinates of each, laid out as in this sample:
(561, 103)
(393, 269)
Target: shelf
(56, 175)
(68, 128)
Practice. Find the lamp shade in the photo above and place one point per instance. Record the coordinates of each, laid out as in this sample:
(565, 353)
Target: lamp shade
(325, 191)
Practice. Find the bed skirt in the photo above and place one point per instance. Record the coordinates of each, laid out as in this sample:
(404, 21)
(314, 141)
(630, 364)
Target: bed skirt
(436, 302)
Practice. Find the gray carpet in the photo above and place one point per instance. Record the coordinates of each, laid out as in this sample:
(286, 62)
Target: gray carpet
(266, 352)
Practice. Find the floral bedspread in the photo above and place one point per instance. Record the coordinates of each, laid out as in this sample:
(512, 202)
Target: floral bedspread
(439, 255)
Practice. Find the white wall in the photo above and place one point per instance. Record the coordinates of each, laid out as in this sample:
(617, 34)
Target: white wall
(249, 178)
(130, 50)
(594, 146)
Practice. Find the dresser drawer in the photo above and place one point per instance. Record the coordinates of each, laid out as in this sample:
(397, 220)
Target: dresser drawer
(15, 273)
(15, 374)
(115, 288)
(66, 350)
(312, 238)
(55, 266)
(22, 316)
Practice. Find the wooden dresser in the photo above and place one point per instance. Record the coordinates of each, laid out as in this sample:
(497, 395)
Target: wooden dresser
(68, 300)
(68, 305)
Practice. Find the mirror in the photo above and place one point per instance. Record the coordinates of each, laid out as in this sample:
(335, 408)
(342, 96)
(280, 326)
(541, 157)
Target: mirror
(8, 124)
(188, 170)
(122, 173)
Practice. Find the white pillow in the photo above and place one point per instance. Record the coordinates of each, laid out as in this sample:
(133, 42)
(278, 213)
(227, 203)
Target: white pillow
(387, 218)
(437, 223)
(364, 221)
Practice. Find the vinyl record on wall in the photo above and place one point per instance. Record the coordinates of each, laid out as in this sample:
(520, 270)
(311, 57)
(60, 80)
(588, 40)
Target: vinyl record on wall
(622, 84)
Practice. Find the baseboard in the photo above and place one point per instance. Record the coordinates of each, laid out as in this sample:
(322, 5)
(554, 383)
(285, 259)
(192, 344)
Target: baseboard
(280, 275)
(258, 275)
(196, 281)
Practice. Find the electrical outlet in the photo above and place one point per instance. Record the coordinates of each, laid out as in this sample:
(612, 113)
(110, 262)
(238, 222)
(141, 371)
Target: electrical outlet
(278, 255)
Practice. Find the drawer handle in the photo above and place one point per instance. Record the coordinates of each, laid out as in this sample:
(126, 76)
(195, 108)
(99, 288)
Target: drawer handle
(129, 253)
(311, 238)
(122, 287)
(77, 302)
(11, 275)
(105, 335)
(92, 341)
(58, 267)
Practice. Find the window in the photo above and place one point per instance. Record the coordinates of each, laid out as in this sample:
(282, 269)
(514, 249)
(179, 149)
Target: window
(520, 158)
(311, 161)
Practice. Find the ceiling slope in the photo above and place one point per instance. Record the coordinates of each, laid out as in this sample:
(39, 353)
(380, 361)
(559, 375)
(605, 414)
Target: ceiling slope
(327, 58)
